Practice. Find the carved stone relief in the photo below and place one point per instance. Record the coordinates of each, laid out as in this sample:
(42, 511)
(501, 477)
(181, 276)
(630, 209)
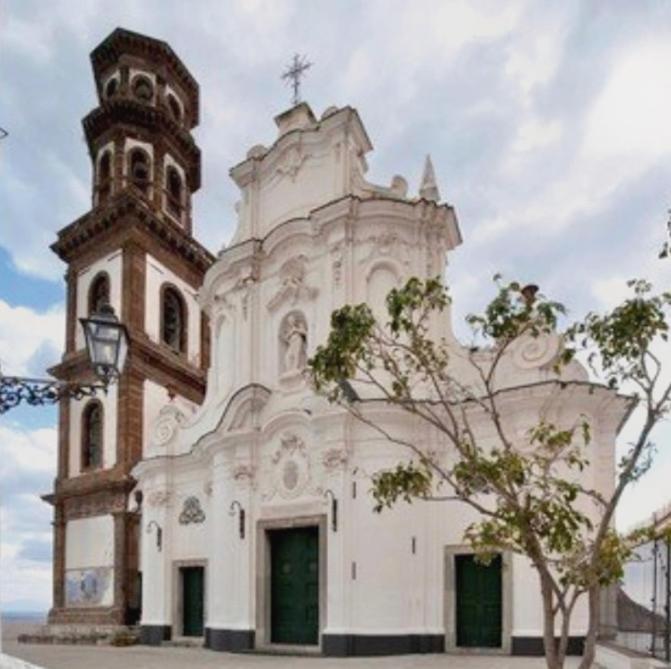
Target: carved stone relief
(334, 459)
(292, 161)
(290, 468)
(387, 244)
(192, 512)
(292, 284)
(166, 425)
(535, 352)
(245, 286)
(158, 498)
(337, 263)
(243, 472)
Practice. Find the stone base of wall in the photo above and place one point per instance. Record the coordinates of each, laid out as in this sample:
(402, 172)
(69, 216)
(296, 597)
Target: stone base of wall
(98, 616)
(533, 645)
(346, 645)
(155, 635)
(232, 641)
(80, 634)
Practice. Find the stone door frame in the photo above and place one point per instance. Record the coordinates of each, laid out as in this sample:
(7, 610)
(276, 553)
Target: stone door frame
(263, 576)
(450, 603)
(178, 598)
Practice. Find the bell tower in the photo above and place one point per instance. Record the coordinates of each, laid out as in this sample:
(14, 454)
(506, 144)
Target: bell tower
(134, 249)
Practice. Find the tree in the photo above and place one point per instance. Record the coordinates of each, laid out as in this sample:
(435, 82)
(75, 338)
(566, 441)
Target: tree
(529, 493)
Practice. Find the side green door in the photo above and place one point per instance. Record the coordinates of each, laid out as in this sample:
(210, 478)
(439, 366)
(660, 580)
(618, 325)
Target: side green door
(479, 611)
(192, 599)
(294, 590)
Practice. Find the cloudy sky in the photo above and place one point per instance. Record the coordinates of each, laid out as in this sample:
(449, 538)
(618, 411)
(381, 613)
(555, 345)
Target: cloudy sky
(548, 124)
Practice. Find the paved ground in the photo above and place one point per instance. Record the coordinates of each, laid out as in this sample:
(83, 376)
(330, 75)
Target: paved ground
(143, 657)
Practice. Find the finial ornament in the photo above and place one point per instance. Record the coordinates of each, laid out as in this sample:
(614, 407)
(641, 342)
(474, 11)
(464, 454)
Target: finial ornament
(292, 75)
(428, 189)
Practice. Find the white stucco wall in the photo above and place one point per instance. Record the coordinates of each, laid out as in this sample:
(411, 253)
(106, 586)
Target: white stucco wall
(89, 561)
(156, 276)
(89, 542)
(110, 264)
(256, 417)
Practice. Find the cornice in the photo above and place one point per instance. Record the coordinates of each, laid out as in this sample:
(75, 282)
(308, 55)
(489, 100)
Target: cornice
(119, 110)
(144, 356)
(122, 41)
(128, 211)
(112, 480)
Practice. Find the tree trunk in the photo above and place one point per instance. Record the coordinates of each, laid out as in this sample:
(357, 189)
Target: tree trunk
(549, 645)
(593, 629)
(563, 638)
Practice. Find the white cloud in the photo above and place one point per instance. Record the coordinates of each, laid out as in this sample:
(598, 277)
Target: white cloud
(27, 468)
(630, 119)
(536, 54)
(536, 133)
(23, 451)
(24, 331)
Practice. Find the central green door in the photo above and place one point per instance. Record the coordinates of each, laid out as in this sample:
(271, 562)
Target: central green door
(479, 612)
(294, 589)
(192, 600)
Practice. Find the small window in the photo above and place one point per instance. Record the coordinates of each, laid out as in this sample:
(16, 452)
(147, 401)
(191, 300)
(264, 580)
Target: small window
(173, 320)
(99, 293)
(111, 87)
(92, 436)
(139, 168)
(143, 89)
(175, 109)
(104, 177)
(174, 192)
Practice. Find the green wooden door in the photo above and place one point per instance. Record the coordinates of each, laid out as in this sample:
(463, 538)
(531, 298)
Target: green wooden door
(192, 599)
(479, 611)
(294, 590)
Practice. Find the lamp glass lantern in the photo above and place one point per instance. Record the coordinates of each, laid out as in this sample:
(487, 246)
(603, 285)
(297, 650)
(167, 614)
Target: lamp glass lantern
(106, 342)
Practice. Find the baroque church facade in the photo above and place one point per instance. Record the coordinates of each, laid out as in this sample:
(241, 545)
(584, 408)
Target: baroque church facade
(212, 478)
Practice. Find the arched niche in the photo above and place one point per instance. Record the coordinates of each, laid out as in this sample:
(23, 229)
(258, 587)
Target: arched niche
(380, 280)
(293, 344)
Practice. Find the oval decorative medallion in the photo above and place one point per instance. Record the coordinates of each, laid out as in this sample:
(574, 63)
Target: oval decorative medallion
(291, 467)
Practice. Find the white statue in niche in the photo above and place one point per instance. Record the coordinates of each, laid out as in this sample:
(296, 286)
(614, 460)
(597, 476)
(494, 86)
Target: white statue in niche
(294, 337)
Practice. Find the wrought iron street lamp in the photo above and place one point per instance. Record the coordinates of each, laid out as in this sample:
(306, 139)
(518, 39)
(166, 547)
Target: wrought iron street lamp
(107, 346)
(107, 343)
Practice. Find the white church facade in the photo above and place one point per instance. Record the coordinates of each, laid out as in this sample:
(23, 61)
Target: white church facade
(257, 526)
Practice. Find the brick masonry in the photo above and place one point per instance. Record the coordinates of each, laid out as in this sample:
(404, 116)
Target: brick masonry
(138, 227)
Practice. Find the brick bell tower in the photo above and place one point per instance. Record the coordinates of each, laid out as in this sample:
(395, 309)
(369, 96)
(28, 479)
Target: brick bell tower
(134, 249)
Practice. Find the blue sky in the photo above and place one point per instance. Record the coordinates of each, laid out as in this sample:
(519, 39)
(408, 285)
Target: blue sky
(547, 124)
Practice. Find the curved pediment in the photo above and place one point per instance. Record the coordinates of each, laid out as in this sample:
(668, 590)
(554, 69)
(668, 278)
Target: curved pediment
(243, 408)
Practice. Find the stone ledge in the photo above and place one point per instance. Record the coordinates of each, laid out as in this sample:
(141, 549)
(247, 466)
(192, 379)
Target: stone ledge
(82, 635)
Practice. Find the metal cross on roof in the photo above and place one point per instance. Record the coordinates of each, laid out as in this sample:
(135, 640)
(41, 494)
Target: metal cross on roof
(293, 75)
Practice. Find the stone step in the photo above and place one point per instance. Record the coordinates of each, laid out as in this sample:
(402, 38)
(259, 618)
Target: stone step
(285, 650)
(185, 642)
